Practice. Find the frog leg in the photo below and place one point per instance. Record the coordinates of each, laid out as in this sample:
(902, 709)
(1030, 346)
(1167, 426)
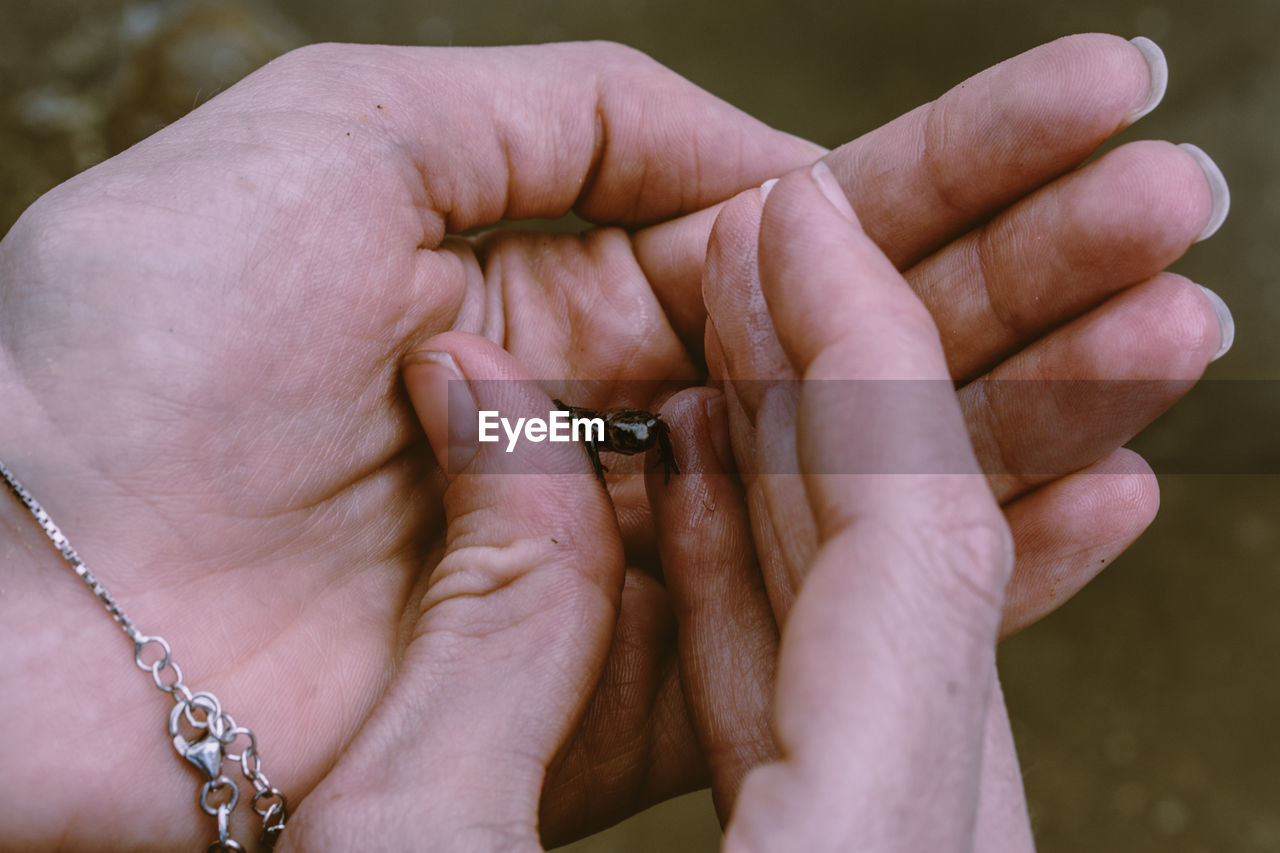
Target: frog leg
(667, 455)
(594, 453)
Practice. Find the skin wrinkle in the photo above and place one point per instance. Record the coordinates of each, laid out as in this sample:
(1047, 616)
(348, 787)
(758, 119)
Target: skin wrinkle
(507, 159)
(381, 375)
(603, 139)
(978, 410)
(607, 89)
(698, 158)
(480, 310)
(406, 537)
(263, 648)
(478, 576)
(599, 144)
(932, 142)
(641, 185)
(616, 778)
(498, 558)
(979, 555)
(665, 739)
(633, 273)
(609, 784)
(982, 254)
(729, 753)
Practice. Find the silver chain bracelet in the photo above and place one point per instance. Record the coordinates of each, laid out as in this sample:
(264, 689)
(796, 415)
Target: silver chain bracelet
(214, 729)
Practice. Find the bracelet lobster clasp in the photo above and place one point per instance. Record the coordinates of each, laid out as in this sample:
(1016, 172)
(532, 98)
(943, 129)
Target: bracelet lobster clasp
(208, 751)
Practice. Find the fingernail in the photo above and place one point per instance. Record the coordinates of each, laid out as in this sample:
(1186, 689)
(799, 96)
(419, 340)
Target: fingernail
(1159, 69)
(766, 188)
(443, 400)
(718, 432)
(1226, 324)
(1219, 193)
(831, 188)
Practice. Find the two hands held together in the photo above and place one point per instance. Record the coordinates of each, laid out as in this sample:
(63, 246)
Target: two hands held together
(206, 346)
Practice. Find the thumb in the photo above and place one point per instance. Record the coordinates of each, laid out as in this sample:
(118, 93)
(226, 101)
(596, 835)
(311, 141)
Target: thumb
(510, 635)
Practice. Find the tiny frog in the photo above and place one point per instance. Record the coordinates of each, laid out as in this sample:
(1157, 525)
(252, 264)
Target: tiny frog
(627, 431)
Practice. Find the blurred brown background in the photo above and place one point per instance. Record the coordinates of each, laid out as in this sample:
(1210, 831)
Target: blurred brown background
(1145, 710)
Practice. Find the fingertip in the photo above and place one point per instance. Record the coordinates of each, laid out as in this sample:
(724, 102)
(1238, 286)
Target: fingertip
(442, 399)
(1119, 79)
(1167, 328)
(730, 268)
(828, 285)
(699, 433)
(1130, 495)
(701, 506)
(1069, 530)
(731, 289)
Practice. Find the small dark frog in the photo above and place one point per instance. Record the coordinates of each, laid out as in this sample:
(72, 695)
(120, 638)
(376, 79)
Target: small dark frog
(627, 431)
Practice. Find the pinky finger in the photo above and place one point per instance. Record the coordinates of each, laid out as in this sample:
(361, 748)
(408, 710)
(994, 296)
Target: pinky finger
(1069, 530)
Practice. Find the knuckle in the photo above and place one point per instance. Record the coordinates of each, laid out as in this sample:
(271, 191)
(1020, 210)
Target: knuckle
(63, 225)
(999, 451)
(322, 77)
(311, 56)
(620, 70)
(946, 125)
(300, 65)
(617, 55)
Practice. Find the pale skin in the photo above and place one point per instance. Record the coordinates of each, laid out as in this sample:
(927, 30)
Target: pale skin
(883, 738)
(201, 345)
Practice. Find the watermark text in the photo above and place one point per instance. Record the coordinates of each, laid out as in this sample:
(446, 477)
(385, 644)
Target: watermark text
(558, 426)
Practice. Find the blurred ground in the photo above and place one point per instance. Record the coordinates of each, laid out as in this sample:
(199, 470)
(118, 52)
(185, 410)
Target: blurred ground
(1144, 709)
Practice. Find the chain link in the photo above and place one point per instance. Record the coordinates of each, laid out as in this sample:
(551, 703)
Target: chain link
(215, 729)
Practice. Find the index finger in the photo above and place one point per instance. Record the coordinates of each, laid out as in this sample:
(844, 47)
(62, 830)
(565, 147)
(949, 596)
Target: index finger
(537, 131)
(935, 172)
(949, 165)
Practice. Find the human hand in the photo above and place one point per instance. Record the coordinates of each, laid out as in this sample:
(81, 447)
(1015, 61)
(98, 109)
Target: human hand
(887, 729)
(202, 342)
(1049, 446)
(1066, 337)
